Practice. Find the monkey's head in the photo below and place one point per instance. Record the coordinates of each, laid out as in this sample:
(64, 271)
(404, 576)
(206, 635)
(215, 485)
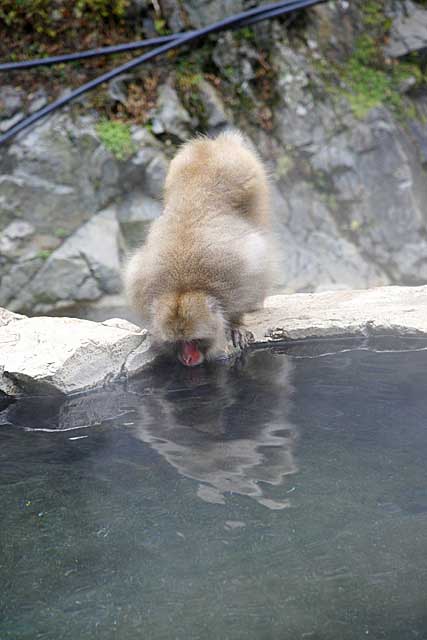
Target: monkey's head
(192, 323)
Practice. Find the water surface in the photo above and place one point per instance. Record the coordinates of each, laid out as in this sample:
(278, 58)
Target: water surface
(284, 497)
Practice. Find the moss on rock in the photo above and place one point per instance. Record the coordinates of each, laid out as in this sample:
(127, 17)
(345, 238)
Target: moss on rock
(116, 137)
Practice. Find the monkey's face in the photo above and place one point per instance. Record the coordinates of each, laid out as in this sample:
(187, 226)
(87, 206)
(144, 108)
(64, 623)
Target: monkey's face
(192, 323)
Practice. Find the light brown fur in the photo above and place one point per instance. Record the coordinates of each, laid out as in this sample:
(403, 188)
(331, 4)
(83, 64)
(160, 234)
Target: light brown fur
(207, 259)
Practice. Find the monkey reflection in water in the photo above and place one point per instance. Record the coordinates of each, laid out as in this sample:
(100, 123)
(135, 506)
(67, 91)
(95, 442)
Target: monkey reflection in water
(226, 427)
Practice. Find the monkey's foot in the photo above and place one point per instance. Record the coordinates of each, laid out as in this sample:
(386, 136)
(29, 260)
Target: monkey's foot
(241, 337)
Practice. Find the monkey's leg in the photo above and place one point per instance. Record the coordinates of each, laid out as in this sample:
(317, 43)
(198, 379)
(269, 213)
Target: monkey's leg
(240, 336)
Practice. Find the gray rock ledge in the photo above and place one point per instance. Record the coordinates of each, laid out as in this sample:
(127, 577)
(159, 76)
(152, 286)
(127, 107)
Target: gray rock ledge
(382, 311)
(44, 355)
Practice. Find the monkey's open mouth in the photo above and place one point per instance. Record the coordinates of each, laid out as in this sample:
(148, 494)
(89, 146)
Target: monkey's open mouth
(191, 352)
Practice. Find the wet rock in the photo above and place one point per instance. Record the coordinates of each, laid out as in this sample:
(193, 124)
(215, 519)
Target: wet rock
(214, 110)
(354, 190)
(65, 355)
(235, 60)
(12, 237)
(102, 257)
(398, 311)
(7, 124)
(170, 116)
(146, 170)
(155, 175)
(383, 177)
(117, 88)
(42, 356)
(57, 174)
(313, 248)
(135, 216)
(296, 118)
(407, 84)
(11, 101)
(203, 13)
(83, 268)
(37, 101)
(419, 134)
(175, 14)
(408, 32)
(16, 280)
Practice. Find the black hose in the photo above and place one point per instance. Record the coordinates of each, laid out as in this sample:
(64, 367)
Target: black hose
(257, 14)
(132, 46)
(82, 55)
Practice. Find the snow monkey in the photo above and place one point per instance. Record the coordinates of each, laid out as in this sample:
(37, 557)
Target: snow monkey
(208, 258)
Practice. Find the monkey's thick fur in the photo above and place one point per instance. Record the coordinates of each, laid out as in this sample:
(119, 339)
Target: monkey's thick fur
(208, 258)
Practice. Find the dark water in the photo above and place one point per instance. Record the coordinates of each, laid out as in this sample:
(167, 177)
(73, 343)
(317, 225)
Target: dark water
(282, 498)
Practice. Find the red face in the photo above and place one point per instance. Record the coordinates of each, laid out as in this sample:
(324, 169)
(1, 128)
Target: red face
(190, 354)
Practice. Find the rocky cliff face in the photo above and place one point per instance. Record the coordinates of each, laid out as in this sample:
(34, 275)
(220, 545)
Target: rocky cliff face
(335, 101)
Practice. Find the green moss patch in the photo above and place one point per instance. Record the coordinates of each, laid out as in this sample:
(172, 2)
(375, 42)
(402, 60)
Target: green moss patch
(116, 137)
(367, 78)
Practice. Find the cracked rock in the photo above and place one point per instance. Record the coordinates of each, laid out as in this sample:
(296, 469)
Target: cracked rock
(409, 31)
(42, 356)
(382, 311)
(83, 268)
(170, 116)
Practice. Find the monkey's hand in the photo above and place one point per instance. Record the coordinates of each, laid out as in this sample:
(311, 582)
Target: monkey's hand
(241, 337)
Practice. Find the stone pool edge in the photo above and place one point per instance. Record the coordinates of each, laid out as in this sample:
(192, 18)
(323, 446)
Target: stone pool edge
(44, 355)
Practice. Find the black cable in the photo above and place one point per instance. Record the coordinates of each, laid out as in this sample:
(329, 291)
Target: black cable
(82, 55)
(261, 13)
(128, 46)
